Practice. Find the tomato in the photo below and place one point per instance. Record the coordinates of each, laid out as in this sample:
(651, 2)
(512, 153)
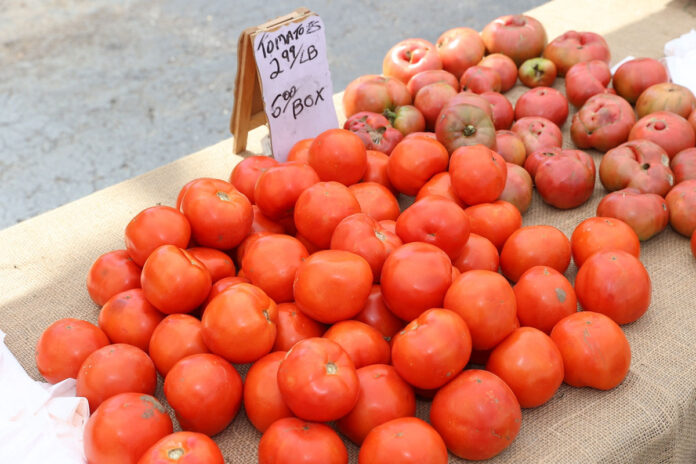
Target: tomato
(338, 155)
(518, 188)
(431, 98)
(376, 200)
(376, 170)
(374, 130)
(435, 220)
(317, 380)
(534, 246)
(505, 66)
(614, 283)
(263, 224)
(115, 369)
(177, 336)
(432, 349)
(669, 130)
(376, 314)
(478, 253)
(294, 441)
(603, 122)
(271, 263)
(363, 343)
(586, 79)
(432, 76)
(218, 263)
(173, 281)
(537, 133)
(414, 161)
(486, 302)
(222, 285)
(640, 164)
(384, 396)
(407, 290)
(129, 318)
(602, 233)
(684, 165)
(364, 236)
(530, 364)
(646, 213)
(294, 326)
(440, 184)
(374, 93)
(263, 403)
(406, 440)
(666, 96)
(545, 102)
(320, 208)
(503, 114)
(565, 178)
(246, 243)
(184, 190)
(64, 345)
(300, 151)
(465, 124)
(240, 324)
(112, 273)
(494, 221)
(477, 415)
(124, 427)
(205, 392)
(681, 202)
(510, 146)
(544, 296)
(332, 285)
(155, 226)
(595, 350)
(183, 448)
(478, 174)
(247, 171)
(277, 189)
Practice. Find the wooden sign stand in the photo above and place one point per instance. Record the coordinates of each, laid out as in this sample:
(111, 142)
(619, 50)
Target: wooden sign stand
(248, 112)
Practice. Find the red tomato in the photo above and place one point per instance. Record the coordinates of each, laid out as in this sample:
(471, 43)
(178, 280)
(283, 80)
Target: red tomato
(544, 296)
(294, 441)
(478, 253)
(338, 155)
(595, 350)
(177, 336)
(407, 290)
(432, 349)
(277, 189)
(183, 448)
(320, 208)
(602, 233)
(407, 440)
(486, 302)
(376, 200)
(174, 281)
(363, 343)
(534, 246)
(222, 285)
(205, 392)
(115, 369)
(218, 263)
(478, 174)
(124, 427)
(376, 314)
(614, 283)
(129, 318)
(440, 184)
(64, 345)
(246, 173)
(494, 221)
(294, 326)
(155, 226)
(317, 380)
(300, 151)
(384, 396)
(530, 364)
(240, 324)
(246, 243)
(477, 415)
(112, 273)
(377, 169)
(271, 263)
(263, 403)
(332, 285)
(414, 161)
(184, 190)
(263, 224)
(681, 202)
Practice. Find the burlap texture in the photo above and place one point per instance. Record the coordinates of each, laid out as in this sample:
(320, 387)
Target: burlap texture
(649, 418)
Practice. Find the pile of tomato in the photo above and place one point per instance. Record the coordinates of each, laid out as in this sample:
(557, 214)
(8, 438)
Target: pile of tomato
(346, 307)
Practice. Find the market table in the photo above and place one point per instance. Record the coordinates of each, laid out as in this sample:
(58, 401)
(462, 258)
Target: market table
(650, 417)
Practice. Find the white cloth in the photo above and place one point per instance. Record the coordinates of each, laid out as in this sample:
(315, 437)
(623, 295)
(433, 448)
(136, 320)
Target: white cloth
(680, 58)
(39, 422)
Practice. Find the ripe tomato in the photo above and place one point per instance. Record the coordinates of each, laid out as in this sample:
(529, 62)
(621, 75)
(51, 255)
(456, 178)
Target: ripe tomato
(115, 369)
(174, 281)
(300, 151)
(64, 345)
(205, 392)
(477, 415)
(271, 263)
(317, 380)
(494, 221)
(338, 155)
(407, 440)
(183, 448)
(681, 202)
(263, 403)
(222, 285)
(477, 253)
(376, 314)
(377, 169)
(112, 273)
(155, 226)
(129, 318)
(544, 296)
(177, 336)
(218, 263)
(246, 173)
(530, 364)
(440, 184)
(294, 326)
(602, 233)
(478, 174)
(486, 302)
(646, 213)
(363, 343)
(595, 350)
(432, 349)
(277, 189)
(124, 427)
(383, 396)
(332, 285)
(614, 283)
(262, 223)
(294, 441)
(407, 290)
(240, 324)
(376, 200)
(534, 246)
(414, 161)
(184, 190)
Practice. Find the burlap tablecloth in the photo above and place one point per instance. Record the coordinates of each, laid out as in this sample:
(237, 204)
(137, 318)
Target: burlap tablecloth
(649, 418)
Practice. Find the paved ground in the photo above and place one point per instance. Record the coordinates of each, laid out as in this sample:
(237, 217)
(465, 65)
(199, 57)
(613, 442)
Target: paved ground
(94, 92)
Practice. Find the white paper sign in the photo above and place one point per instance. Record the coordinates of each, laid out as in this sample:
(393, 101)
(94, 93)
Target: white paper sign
(295, 82)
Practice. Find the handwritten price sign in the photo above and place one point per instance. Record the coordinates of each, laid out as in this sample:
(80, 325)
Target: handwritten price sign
(295, 83)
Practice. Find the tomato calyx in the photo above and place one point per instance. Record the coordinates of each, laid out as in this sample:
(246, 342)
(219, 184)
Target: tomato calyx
(175, 453)
(222, 195)
(469, 130)
(331, 368)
